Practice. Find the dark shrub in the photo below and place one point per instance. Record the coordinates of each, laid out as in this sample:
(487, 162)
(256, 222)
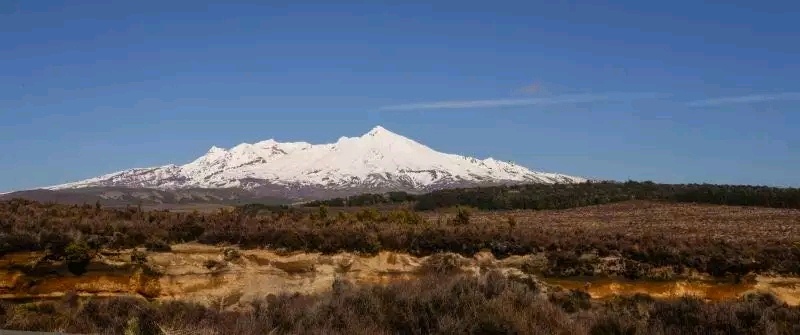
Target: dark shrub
(683, 313)
(10, 242)
(213, 264)
(571, 301)
(185, 231)
(96, 242)
(54, 243)
(455, 304)
(231, 254)
(462, 216)
(157, 245)
(615, 325)
(77, 256)
(443, 263)
(138, 257)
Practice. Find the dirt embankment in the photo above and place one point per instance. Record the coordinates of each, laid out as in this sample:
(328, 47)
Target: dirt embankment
(225, 277)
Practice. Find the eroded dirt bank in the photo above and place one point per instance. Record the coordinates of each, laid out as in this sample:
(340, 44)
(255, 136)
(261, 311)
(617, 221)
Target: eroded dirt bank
(225, 276)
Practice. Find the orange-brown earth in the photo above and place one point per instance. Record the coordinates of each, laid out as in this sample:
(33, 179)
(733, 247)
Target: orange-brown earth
(188, 273)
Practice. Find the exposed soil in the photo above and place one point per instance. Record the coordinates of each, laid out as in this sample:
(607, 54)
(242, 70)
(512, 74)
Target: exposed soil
(226, 277)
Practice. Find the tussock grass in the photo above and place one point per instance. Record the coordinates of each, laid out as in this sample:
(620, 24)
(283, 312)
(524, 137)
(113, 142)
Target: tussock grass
(436, 304)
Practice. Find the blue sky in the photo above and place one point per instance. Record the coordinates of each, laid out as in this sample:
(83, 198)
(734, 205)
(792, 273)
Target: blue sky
(674, 91)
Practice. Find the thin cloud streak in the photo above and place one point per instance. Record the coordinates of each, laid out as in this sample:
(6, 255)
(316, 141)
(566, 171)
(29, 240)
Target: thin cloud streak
(554, 100)
(745, 99)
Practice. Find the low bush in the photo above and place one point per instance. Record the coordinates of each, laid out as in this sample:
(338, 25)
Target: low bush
(645, 240)
(213, 264)
(571, 301)
(231, 254)
(435, 304)
(138, 257)
(462, 217)
(77, 256)
(157, 245)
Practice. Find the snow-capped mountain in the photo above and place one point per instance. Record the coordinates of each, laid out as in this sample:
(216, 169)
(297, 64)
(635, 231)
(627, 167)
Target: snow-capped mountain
(379, 160)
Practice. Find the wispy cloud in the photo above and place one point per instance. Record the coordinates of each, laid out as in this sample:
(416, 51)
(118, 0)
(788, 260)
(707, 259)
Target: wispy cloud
(745, 99)
(550, 100)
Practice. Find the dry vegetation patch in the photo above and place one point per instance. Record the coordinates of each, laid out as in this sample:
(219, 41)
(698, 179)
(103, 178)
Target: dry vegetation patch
(492, 303)
(635, 239)
(645, 218)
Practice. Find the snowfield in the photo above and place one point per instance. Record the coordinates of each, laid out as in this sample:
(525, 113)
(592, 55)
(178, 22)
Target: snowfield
(377, 159)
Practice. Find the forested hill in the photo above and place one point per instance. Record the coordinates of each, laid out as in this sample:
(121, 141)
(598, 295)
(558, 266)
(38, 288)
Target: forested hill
(560, 196)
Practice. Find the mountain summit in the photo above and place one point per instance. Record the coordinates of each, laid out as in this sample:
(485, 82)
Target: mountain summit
(377, 161)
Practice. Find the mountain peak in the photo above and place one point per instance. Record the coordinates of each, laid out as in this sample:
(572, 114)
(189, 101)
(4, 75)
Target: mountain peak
(379, 160)
(380, 131)
(216, 150)
(269, 142)
(385, 136)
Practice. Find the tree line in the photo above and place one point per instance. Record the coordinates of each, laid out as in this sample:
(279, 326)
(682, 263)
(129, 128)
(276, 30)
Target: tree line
(562, 196)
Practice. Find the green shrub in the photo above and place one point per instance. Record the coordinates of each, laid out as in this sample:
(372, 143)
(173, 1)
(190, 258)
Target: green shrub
(231, 254)
(138, 257)
(77, 256)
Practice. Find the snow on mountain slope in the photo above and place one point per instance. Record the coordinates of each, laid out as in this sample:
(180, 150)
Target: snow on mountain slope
(378, 159)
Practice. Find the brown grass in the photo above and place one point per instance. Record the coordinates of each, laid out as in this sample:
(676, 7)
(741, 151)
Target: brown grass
(631, 239)
(641, 239)
(489, 304)
(647, 218)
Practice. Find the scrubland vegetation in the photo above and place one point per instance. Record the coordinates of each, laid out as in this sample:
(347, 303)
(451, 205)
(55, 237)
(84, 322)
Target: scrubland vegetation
(631, 230)
(631, 239)
(455, 304)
